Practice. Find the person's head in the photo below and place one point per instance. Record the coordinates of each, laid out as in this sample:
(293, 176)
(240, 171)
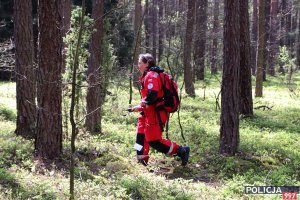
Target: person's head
(145, 62)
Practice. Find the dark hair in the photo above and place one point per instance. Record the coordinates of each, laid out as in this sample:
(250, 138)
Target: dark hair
(147, 58)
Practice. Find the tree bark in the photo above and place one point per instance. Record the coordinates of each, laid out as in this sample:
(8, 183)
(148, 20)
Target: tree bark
(246, 102)
(254, 33)
(200, 38)
(229, 131)
(273, 44)
(214, 57)
(137, 41)
(298, 40)
(288, 24)
(267, 38)
(293, 26)
(283, 30)
(93, 99)
(260, 50)
(147, 25)
(66, 9)
(49, 91)
(24, 70)
(161, 28)
(188, 71)
(154, 30)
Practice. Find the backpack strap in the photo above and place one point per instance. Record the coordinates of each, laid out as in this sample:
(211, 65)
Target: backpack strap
(167, 126)
(161, 125)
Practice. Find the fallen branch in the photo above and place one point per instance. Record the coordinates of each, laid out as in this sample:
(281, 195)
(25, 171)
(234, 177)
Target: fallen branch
(264, 107)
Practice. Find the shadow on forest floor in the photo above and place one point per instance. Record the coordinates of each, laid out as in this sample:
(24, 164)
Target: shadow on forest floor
(277, 120)
(12, 188)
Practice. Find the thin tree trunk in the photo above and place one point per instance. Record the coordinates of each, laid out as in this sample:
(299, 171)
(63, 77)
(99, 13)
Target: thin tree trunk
(137, 41)
(288, 24)
(229, 131)
(293, 28)
(73, 103)
(298, 40)
(214, 57)
(260, 50)
(154, 30)
(246, 102)
(188, 71)
(200, 38)
(273, 44)
(25, 70)
(147, 26)
(254, 33)
(49, 91)
(283, 30)
(93, 99)
(161, 28)
(267, 37)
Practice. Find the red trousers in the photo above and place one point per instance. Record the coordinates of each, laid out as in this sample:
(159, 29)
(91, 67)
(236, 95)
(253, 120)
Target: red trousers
(149, 133)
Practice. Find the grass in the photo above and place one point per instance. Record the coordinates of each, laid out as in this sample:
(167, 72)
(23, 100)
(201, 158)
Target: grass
(106, 167)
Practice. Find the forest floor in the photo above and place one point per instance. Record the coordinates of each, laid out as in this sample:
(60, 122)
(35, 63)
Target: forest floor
(106, 166)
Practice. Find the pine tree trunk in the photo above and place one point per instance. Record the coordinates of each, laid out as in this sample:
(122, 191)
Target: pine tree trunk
(200, 38)
(137, 41)
(293, 29)
(229, 131)
(246, 102)
(161, 28)
(214, 56)
(273, 45)
(298, 40)
(24, 70)
(93, 99)
(188, 71)
(147, 25)
(288, 19)
(66, 9)
(154, 29)
(49, 92)
(254, 33)
(267, 37)
(260, 50)
(283, 23)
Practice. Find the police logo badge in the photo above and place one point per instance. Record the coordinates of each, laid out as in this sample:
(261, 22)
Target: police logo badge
(150, 86)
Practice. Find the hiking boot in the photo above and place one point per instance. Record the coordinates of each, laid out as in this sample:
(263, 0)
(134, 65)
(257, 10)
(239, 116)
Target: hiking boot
(143, 162)
(183, 153)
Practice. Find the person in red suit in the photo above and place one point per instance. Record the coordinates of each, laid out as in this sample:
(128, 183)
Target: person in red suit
(153, 118)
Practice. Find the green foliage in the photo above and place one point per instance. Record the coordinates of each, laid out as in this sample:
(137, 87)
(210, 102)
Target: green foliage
(13, 149)
(109, 60)
(83, 54)
(107, 168)
(283, 57)
(71, 41)
(7, 113)
(171, 61)
(286, 62)
(120, 32)
(144, 187)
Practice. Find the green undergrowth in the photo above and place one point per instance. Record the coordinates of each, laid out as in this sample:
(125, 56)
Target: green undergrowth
(106, 166)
